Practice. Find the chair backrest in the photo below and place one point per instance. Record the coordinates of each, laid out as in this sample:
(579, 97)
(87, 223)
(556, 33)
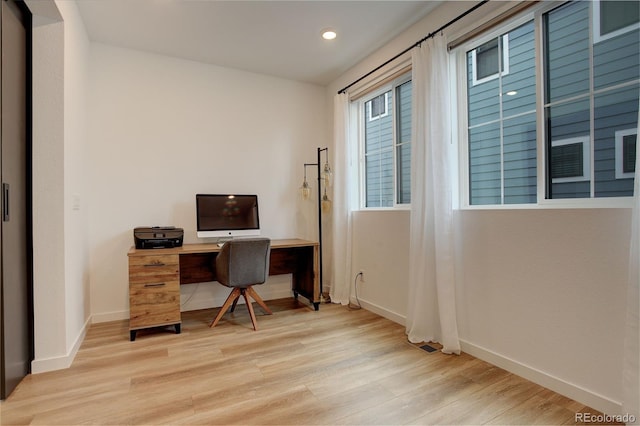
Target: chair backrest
(243, 262)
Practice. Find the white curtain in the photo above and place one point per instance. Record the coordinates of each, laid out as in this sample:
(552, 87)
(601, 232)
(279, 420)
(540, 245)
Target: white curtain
(342, 202)
(631, 372)
(431, 314)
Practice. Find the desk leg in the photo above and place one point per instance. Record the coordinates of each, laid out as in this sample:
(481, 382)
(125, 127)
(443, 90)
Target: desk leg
(316, 306)
(177, 328)
(132, 335)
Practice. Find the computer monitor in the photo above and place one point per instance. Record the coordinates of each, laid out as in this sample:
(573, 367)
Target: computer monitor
(227, 215)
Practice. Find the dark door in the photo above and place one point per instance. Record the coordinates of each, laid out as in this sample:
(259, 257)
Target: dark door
(16, 305)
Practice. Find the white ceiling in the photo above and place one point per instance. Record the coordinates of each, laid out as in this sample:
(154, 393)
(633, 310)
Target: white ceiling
(279, 38)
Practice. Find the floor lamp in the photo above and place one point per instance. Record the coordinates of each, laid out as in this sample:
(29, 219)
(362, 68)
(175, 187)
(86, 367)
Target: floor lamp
(324, 203)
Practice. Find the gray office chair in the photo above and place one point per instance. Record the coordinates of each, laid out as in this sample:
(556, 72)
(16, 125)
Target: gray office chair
(240, 265)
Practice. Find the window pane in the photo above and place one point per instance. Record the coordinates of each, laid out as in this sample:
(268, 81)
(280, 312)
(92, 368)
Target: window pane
(568, 122)
(483, 100)
(614, 111)
(567, 52)
(519, 85)
(378, 147)
(403, 141)
(502, 128)
(520, 160)
(403, 154)
(616, 60)
(379, 179)
(615, 15)
(485, 177)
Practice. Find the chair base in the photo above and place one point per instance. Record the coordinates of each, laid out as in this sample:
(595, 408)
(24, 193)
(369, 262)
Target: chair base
(232, 300)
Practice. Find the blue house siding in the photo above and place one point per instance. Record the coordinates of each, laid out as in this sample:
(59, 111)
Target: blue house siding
(616, 60)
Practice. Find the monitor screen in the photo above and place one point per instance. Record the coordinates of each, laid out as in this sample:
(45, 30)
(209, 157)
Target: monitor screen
(227, 215)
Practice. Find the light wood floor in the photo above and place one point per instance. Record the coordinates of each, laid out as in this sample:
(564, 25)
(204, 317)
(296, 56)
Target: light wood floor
(335, 366)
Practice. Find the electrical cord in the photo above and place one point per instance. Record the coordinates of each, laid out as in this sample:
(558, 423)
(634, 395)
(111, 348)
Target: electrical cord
(191, 295)
(351, 306)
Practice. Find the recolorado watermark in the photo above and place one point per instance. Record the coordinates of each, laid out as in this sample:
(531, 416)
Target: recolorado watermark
(604, 418)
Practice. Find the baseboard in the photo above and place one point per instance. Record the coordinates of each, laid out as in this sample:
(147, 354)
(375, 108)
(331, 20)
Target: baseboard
(61, 362)
(570, 390)
(109, 316)
(386, 313)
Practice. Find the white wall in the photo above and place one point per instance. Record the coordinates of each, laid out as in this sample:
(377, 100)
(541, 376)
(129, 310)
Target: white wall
(48, 192)
(61, 296)
(545, 290)
(163, 129)
(539, 292)
(381, 251)
(76, 72)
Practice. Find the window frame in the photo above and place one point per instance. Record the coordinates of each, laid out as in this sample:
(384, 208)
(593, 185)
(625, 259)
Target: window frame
(597, 32)
(362, 116)
(459, 90)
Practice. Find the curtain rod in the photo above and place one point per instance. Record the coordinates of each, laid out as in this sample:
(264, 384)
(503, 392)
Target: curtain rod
(417, 43)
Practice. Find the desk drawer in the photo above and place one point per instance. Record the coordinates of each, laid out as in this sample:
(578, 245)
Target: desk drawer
(156, 316)
(153, 268)
(154, 303)
(155, 260)
(152, 291)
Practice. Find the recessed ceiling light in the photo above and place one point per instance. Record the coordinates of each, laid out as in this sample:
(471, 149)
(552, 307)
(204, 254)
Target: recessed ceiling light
(329, 34)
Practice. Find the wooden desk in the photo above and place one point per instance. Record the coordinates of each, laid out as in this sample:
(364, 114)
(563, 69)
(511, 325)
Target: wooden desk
(155, 276)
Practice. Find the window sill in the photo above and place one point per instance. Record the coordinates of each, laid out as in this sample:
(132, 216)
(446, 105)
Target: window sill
(591, 203)
(385, 209)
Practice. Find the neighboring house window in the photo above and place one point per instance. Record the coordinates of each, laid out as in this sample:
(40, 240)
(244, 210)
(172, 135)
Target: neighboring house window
(490, 60)
(626, 143)
(614, 18)
(378, 107)
(571, 160)
(532, 137)
(386, 147)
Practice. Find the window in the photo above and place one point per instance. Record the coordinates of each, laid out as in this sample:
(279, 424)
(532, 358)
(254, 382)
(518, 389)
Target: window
(570, 160)
(626, 141)
(613, 18)
(551, 127)
(501, 127)
(386, 146)
(378, 107)
(490, 60)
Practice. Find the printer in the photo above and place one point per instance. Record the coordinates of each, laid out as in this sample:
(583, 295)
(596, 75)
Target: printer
(158, 237)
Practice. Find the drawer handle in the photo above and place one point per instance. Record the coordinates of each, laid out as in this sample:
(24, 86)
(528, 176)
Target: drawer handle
(154, 264)
(155, 285)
